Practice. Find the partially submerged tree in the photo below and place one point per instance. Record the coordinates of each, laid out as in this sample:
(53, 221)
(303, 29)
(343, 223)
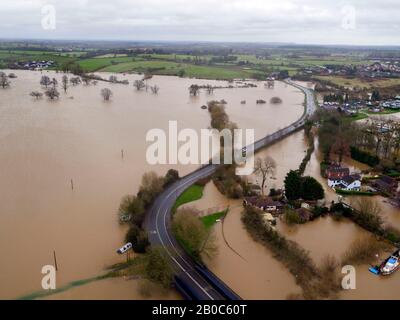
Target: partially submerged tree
(86, 81)
(36, 94)
(75, 80)
(54, 82)
(113, 79)
(151, 186)
(155, 89)
(341, 148)
(4, 82)
(106, 93)
(139, 84)
(64, 83)
(138, 238)
(263, 168)
(209, 89)
(45, 81)
(52, 93)
(133, 207)
(194, 90)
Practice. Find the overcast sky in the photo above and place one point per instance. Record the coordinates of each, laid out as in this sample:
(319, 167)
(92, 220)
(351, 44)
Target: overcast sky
(373, 22)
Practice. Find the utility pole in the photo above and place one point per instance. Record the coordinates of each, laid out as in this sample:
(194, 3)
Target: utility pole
(55, 260)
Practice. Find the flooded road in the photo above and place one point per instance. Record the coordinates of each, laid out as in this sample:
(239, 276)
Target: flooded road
(46, 144)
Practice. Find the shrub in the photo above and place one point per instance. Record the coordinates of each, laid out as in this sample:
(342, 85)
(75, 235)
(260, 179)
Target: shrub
(363, 251)
(138, 238)
(363, 157)
(133, 206)
(292, 217)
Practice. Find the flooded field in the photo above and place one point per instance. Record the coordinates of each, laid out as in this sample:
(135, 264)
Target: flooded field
(44, 144)
(327, 236)
(244, 265)
(261, 276)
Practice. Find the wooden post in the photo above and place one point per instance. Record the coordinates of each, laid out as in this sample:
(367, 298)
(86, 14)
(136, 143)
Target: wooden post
(55, 260)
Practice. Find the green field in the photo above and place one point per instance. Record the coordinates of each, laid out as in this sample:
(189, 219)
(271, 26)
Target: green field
(356, 82)
(193, 193)
(200, 65)
(211, 219)
(174, 68)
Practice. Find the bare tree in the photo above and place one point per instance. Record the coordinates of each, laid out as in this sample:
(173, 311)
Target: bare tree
(139, 84)
(54, 82)
(36, 94)
(75, 81)
(113, 79)
(194, 90)
(86, 81)
(209, 89)
(263, 168)
(52, 93)
(155, 89)
(4, 82)
(64, 82)
(45, 81)
(106, 93)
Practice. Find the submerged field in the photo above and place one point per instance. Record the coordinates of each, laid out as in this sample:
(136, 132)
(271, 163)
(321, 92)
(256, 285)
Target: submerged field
(45, 144)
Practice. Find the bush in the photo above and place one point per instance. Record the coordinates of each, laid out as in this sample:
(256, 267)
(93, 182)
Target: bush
(171, 177)
(307, 188)
(133, 206)
(363, 251)
(151, 186)
(158, 268)
(292, 217)
(138, 238)
(312, 189)
(193, 235)
(363, 157)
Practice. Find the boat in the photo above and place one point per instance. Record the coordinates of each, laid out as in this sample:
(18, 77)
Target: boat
(388, 266)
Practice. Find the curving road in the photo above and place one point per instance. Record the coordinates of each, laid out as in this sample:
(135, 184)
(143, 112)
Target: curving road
(158, 219)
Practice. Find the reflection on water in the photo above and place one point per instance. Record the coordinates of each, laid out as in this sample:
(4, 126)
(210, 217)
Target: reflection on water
(44, 144)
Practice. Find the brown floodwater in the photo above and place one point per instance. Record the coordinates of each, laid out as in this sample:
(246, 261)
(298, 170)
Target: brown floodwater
(44, 144)
(244, 265)
(326, 236)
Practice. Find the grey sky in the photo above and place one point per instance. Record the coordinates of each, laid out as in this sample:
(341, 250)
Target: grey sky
(300, 21)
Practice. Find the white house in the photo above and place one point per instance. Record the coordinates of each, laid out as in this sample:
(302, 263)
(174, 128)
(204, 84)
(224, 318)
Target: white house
(350, 183)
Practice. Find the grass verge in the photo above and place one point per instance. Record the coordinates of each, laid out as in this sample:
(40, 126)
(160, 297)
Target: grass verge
(193, 193)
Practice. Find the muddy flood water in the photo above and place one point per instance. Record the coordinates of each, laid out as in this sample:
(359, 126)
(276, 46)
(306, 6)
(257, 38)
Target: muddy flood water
(326, 236)
(46, 144)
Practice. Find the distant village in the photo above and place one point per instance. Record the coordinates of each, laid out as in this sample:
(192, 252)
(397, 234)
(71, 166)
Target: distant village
(386, 69)
(33, 65)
